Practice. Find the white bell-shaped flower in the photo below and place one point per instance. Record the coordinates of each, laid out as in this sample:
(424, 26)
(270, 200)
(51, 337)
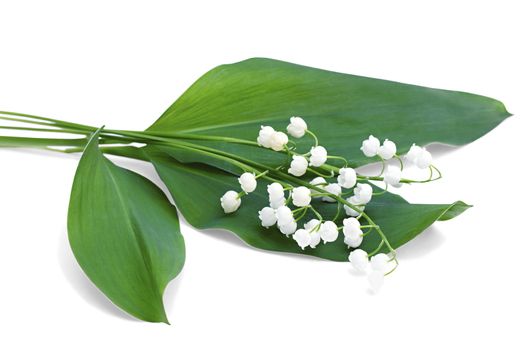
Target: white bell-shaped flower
(298, 166)
(380, 262)
(318, 156)
(230, 202)
(424, 160)
(352, 232)
(302, 237)
(419, 156)
(359, 259)
(319, 182)
(347, 177)
(351, 212)
(248, 182)
(301, 196)
(387, 150)
(375, 280)
(315, 238)
(312, 227)
(393, 176)
(275, 203)
(267, 217)
(370, 146)
(284, 215)
(278, 140)
(363, 193)
(275, 191)
(328, 231)
(353, 241)
(297, 127)
(276, 195)
(413, 153)
(332, 188)
(265, 136)
(288, 228)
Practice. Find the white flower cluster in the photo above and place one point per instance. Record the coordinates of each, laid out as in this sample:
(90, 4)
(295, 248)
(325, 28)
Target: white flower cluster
(282, 195)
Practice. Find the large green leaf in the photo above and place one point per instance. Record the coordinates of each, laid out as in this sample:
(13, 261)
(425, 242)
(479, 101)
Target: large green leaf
(197, 188)
(125, 234)
(235, 99)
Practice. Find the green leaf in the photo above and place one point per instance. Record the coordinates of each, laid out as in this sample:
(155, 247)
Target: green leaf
(234, 100)
(197, 189)
(125, 234)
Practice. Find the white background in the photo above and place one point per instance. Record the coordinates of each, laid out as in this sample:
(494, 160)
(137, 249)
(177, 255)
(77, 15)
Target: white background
(460, 283)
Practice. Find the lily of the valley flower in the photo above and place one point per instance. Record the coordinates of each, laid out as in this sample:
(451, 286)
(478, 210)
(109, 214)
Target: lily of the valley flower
(298, 166)
(319, 182)
(387, 150)
(332, 188)
(328, 231)
(265, 135)
(379, 262)
(352, 232)
(302, 237)
(248, 182)
(276, 195)
(350, 211)
(392, 176)
(312, 227)
(318, 156)
(363, 194)
(359, 259)
(278, 140)
(285, 220)
(419, 156)
(267, 217)
(230, 202)
(297, 127)
(370, 146)
(301, 196)
(347, 177)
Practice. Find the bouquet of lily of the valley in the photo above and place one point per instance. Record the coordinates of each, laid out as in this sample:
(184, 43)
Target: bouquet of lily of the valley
(269, 151)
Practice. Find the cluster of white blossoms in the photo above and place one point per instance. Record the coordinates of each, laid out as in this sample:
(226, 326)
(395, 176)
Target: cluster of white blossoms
(292, 199)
